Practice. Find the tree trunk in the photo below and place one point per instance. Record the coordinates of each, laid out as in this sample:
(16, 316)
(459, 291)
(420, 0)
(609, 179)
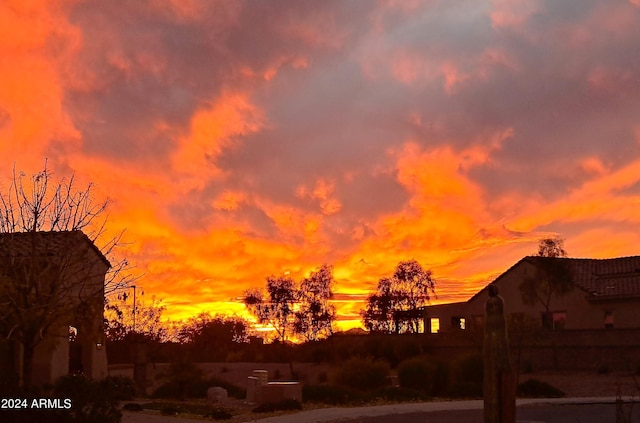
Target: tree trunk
(28, 351)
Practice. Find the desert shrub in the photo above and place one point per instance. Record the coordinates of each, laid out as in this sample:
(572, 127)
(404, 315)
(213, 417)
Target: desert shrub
(362, 373)
(121, 387)
(288, 404)
(467, 375)
(406, 347)
(196, 388)
(534, 388)
(328, 394)
(219, 414)
(169, 410)
(132, 406)
(469, 368)
(183, 378)
(401, 394)
(90, 402)
(441, 379)
(417, 373)
(461, 389)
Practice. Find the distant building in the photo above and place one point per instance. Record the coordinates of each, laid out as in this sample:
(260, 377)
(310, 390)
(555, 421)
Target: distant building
(605, 295)
(52, 284)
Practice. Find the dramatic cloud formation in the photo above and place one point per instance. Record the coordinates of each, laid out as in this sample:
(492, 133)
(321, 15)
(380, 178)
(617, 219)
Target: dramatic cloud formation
(241, 139)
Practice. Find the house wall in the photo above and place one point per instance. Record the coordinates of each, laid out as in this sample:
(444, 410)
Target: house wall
(581, 313)
(91, 328)
(51, 357)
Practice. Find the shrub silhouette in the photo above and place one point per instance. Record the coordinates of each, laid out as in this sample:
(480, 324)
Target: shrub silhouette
(417, 373)
(362, 373)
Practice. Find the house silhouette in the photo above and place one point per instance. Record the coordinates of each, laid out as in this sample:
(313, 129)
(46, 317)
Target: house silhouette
(51, 306)
(605, 295)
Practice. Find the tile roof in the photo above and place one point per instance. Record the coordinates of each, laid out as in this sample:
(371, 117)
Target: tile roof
(20, 242)
(604, 278)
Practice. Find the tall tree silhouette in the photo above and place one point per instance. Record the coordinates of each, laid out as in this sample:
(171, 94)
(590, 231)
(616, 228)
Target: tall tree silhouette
(276, 308)
(315, 315)
(552, 277)
(395, 305)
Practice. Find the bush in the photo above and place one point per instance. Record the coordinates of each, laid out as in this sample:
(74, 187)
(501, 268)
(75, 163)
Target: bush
(534, 388)
(270, 407)
(132, 406)
(219, 414)
(196, 388)
(363, 374)
(441, 379)
(185, 380)
(328, 394)
(417, 373)
(469, 368)
(169, 410)
(402, 394)
(120, 387)
(463, 389)
(467, 371)
(90, 402)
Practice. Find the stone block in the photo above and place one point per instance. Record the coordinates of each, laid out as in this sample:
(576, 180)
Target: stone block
(216, 395)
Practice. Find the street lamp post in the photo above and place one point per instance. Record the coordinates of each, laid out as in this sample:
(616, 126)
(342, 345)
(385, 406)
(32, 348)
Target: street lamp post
(134, 308)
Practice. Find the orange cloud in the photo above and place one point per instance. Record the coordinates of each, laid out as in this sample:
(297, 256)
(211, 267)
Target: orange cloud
(34, 40)
(212, 131)
(228, 200)
(600, 198)
(511, 14)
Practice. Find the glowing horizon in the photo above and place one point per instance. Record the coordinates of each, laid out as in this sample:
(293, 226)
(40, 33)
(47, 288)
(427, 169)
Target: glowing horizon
(237, 139)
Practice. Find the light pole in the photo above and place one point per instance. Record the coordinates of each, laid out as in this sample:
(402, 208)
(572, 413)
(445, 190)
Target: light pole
(134, 308)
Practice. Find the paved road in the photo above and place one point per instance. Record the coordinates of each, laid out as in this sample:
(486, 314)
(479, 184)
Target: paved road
(556, 410)
(582, 413)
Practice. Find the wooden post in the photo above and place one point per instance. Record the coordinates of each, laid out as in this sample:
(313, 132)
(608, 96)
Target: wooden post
(499, 380)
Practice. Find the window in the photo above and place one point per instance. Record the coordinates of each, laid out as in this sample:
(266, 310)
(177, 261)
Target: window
(435, 325)
(554, 320)
(608, 319)
(458, 323)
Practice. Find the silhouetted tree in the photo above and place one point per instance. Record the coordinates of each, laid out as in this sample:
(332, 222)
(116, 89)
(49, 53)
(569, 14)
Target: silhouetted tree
(214, 337)
(315, 316)
(277, 307)
(395, 305)
(551, 247)
(378, 316)
(552, 277)
(119, 319)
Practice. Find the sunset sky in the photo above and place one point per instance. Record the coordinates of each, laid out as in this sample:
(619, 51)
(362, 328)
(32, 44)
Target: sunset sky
(240, 139)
